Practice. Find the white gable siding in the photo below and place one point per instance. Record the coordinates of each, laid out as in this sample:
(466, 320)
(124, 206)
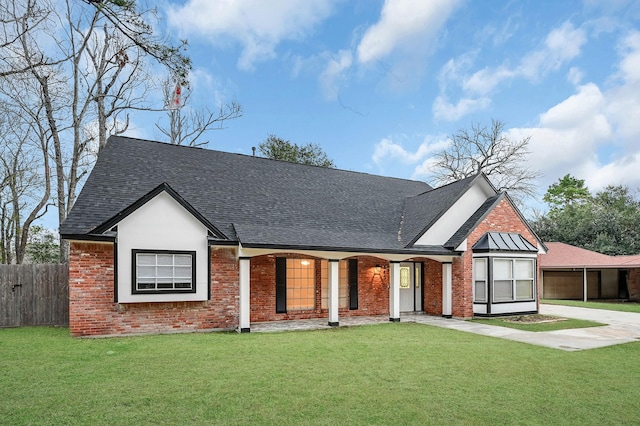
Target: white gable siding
(161, 224)
(444, 228)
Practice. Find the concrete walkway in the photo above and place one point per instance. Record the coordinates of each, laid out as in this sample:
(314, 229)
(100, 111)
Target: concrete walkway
(622, 327)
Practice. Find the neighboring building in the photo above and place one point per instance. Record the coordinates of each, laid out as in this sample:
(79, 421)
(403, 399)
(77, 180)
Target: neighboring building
(570, 272)
(171, 238)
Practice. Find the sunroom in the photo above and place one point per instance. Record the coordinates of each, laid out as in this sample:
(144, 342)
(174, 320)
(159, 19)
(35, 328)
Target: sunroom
(504, 275)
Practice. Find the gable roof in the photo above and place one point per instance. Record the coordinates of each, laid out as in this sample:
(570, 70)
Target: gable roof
(260, 202)
(247, 199)
(423, 210)
(561, 255)
(473, 221)
(163, 187)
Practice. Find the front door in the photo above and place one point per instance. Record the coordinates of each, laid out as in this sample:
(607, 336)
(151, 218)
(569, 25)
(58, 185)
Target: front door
(410, 287)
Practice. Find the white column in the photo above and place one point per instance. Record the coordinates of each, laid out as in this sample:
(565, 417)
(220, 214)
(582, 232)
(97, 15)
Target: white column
(333, 293)
(584, 284)
(245, 295)
(394, 291)
(446, 289)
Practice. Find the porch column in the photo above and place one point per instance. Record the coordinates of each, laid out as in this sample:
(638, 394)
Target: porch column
(446, 290)
(584, 284)
(394, 291)
(333, 292)
(245, 295)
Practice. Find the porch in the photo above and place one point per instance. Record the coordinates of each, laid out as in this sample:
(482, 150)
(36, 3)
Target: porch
(322, 324)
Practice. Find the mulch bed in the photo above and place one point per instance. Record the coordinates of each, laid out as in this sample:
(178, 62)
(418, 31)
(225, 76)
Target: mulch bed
(533, 319)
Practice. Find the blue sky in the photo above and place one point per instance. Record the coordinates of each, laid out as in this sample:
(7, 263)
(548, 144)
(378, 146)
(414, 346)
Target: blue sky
(380, 85)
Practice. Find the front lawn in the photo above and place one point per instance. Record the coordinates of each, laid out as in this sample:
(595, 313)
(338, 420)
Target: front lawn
(401, 373)
(611, 306)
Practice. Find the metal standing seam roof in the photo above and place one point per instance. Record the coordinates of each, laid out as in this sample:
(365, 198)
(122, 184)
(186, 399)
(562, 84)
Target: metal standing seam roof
(503, 241)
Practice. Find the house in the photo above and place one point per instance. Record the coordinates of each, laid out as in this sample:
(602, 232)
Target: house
(171, 238)
(570, 272)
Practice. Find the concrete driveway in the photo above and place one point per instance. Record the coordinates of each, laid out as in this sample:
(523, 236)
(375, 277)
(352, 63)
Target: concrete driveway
(622, 327)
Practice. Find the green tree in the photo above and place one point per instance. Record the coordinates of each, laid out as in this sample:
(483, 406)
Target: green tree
(567, 190)
(607, 222)
(280, 149)
(43, 246)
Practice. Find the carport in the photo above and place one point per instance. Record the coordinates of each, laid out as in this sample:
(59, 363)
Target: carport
(569, 272)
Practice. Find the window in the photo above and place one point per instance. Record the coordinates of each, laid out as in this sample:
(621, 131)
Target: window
(163, 271)
(343, 288)
(301, 284)
(405, 277)
(513, 279)
(480, 280)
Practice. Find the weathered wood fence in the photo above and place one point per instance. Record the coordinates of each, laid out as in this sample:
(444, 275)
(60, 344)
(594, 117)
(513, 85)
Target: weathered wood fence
(34, 295)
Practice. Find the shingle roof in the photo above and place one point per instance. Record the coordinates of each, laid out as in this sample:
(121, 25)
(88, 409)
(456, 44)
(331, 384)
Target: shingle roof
(421, 211)
(473, 221)
(258, 200)
(561, 255)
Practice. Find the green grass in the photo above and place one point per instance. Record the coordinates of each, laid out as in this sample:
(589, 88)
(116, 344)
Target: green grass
(622, 306)
(543, 326)
(400, 373)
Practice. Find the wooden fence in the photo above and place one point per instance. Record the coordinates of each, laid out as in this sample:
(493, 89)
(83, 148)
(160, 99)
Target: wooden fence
(34, 295)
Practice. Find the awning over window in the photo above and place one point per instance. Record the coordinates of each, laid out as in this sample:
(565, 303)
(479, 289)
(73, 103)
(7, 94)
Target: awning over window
(503, 241)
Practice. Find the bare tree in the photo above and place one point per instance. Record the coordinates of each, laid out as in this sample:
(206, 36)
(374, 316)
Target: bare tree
(186, 125)
(26, 177)
(488, 150)
(87, 75)
(17, 19)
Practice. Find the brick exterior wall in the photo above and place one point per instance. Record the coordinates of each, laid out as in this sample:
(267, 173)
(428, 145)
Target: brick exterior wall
(92, 310)
(373, 290)
(633, 284)
(503, 218)
(432, 286)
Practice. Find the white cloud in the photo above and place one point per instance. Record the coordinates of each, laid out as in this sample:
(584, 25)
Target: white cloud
(485, 80)
(406, 25)
(561, 45)
(574, 76)
(389, 151)
(443, 110)
(333, 74)
(588, 136)
(630, 64)
(258, 25)
(592, 134)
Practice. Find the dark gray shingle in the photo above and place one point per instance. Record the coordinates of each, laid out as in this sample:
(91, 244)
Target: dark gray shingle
(267, 201)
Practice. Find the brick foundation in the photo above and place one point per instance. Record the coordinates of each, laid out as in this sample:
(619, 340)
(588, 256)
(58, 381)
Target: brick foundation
(92, 310)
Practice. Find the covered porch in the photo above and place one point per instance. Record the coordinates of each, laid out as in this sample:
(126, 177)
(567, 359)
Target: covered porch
(338, 288)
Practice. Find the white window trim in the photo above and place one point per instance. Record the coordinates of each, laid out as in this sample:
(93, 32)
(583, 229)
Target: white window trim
(134, 272)
(486, 279)
(490, 257)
